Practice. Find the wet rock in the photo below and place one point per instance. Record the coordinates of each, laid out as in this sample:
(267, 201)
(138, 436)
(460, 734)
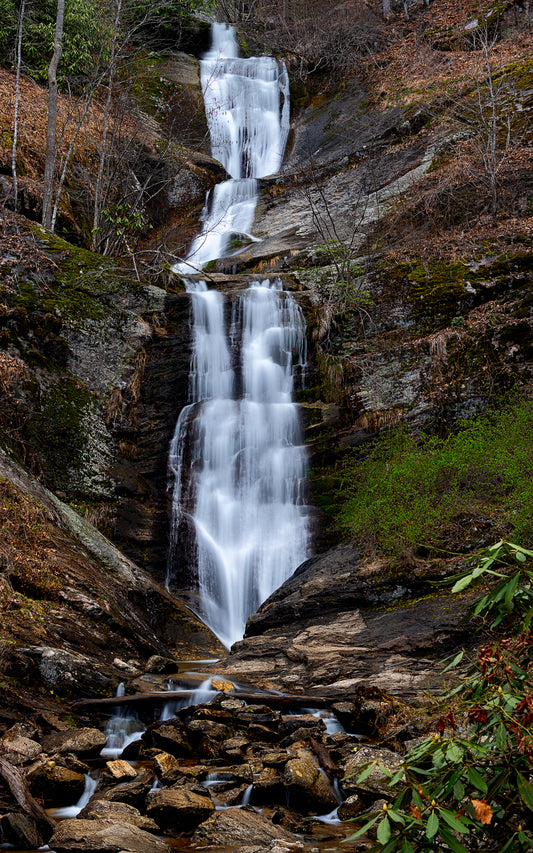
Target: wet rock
(84, 742)
(307, 787)
(179, 809)
(121, 770)
(21, 831)
(167, 768)
(217, 731)
(269, 788)
(20, 750)
(351, 807)
(377, 782)
(160, 664)
(133, 793)
(171, 739)
(311, 724)
(241, 826)
(54, 784)
(105, 836)
(118, 813)
(235, 749)
(65, 672)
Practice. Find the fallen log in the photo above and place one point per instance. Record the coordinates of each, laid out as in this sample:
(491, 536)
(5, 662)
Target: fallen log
(274, 700)
(18, 786)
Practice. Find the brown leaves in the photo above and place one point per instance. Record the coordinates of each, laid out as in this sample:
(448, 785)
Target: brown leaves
(483, 811)
(415, 811)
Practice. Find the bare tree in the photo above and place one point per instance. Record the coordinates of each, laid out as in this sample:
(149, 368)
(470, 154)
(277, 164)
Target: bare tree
(22, 10)
(490, 116)
(51, 151)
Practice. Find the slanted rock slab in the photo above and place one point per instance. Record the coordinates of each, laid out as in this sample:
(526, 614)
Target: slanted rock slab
(84, 741)
(105, 836)
(241, 826)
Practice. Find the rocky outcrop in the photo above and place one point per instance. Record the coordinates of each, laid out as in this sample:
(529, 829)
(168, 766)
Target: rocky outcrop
(340, 623)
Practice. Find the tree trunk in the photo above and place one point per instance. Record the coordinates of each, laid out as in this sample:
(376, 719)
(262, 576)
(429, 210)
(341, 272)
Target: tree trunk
(48, 182)
(98, 192)
(22, 10)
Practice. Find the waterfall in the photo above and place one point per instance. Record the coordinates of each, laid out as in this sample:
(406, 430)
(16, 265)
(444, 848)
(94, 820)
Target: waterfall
(236, 458)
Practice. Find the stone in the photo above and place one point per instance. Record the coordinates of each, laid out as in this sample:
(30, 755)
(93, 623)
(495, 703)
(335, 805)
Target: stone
(55, 784)
(133, 793)
(377, 782)
(351, 807)
(19, 750)
(307, 787)
(104, 836)
(212, 729)
(167, 768)
(171, 740)
(160, 664)
(86, 742)
(121, 770)
(240, 826)
(118, 812)
(20, 831)
(179, 809)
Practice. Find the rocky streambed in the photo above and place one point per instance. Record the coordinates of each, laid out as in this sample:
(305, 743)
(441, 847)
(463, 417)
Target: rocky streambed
(227, 773)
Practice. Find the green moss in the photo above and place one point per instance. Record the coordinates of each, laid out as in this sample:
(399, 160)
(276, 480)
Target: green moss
(432, 493)
(440, 291)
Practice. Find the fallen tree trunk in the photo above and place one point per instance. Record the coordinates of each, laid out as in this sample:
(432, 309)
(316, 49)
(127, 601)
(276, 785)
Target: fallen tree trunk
(17, 784)
(274, 700)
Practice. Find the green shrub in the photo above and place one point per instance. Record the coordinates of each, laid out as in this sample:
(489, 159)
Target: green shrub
(467, 787)
(415, 492)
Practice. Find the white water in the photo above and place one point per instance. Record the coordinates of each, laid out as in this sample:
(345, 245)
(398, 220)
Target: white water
(237, 459)
(73, 811)
(247, 109)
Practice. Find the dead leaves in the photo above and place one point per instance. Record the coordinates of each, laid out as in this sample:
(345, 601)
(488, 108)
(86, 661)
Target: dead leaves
(483, 811)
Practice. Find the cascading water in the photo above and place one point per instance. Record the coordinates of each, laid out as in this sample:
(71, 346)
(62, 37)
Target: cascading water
(237, 458)
(247, 109)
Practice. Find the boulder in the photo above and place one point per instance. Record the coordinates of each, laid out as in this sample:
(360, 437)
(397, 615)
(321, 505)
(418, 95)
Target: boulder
(86, 742)
(167, 768)
(351, 807)
(172, 740)
(119, 813)
(54, 784)
(21, 831)
(241, 826)
(377, 782)
(121, 770)
(307, 786)
(180, 809)
(104, 836)
(20, 750)
(134, 793)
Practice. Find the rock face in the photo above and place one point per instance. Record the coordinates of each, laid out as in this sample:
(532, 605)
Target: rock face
(338, 623)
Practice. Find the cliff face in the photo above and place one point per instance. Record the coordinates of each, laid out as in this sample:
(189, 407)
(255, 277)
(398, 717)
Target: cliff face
(416, 287)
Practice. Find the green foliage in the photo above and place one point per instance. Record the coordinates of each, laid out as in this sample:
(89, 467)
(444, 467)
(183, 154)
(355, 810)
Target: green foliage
(85, 32)
(467, 787)
(8, 30)
(411, 492)
(160, 25)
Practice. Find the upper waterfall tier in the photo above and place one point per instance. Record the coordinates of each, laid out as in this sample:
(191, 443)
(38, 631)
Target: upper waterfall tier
(247, 109)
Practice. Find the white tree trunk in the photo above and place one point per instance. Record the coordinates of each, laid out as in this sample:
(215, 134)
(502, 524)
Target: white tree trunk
(48, 182)
(22, 10)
